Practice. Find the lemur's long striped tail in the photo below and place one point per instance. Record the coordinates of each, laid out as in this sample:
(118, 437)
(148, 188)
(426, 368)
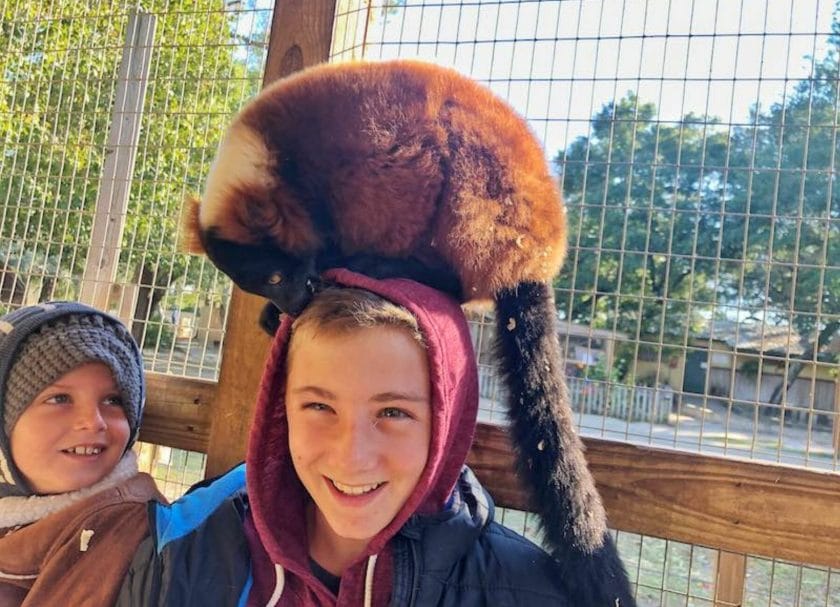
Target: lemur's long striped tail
(549, 453)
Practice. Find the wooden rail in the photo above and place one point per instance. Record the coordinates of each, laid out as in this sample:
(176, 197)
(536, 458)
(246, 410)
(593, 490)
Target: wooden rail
(739, 506)
(742, 507)
(177, 412)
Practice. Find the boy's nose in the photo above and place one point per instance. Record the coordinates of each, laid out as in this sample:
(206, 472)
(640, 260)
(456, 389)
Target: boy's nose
(357, 444)
(89, 417)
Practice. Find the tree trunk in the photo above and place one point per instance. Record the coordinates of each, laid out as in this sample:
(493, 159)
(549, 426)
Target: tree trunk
(45, 293)
(151, 287)
(825, 338)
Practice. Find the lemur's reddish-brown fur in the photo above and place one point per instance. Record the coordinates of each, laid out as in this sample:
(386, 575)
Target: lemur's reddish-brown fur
(421, 161)
(367, 163)
(191, 227)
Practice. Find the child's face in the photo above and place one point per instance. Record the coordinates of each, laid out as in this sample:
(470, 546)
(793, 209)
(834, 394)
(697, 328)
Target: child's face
(359, 416)
(73, 433)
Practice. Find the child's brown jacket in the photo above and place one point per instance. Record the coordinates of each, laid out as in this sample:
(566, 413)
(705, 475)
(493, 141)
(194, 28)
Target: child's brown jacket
(78, 555)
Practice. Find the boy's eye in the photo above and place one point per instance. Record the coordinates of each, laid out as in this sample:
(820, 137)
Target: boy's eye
(114, 400)
(394, 413)
(317, 407)
(57, 399)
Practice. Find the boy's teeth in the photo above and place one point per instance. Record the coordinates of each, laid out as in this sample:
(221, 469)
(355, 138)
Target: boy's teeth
(355, 490)
(82, 450)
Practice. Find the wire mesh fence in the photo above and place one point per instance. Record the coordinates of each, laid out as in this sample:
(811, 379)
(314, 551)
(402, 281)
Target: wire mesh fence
(696, 143)
(174, 470)
(697, 147)
(111, 113)
(773, 583)
(669, 574)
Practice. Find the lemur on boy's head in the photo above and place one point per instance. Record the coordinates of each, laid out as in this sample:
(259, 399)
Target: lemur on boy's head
(408, 169)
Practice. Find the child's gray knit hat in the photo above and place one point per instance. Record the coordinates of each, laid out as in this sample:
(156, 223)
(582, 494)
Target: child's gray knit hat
(41, 343)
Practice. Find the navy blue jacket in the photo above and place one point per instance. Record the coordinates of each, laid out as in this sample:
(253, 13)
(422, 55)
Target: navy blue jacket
(198, 555)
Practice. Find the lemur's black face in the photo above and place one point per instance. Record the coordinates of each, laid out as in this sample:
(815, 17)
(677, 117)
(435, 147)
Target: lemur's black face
(286, 280)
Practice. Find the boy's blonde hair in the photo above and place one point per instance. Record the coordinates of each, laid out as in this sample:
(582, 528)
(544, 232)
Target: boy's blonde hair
(339, 310)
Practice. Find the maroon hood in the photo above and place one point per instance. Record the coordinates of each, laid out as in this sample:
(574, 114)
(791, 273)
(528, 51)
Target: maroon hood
(276, 495)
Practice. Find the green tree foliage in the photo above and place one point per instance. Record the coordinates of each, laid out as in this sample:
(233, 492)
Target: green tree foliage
(59, 77)
(51, 132)
(670, 224)
(792, 252)
(199, 79)
(789, 188)
(644, 211)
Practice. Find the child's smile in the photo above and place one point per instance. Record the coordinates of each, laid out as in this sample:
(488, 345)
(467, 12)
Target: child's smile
(359, 415)
(86, 450)
(355, 490)
(355, 496)
(73, 433)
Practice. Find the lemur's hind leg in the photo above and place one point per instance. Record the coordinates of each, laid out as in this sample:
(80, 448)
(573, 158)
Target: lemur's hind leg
(269, 320)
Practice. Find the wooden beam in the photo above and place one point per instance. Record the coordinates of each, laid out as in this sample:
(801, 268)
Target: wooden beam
(177, 412)
(738, 506)
(244, 351)
(301, 36)
(836, 422)
(301, 32)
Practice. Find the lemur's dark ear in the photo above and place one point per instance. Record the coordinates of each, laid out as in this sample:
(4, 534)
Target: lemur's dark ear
(270, 318)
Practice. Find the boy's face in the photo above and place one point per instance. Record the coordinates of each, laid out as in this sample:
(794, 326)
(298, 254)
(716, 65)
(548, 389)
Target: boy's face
(73, 433)
(359, 415)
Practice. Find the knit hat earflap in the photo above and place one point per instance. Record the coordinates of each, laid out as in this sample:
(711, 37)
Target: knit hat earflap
(41, 343)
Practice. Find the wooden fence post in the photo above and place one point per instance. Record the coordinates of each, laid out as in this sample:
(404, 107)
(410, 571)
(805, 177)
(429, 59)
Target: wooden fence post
(301, 33)
(837, 418)
(120, 154)
(729, 584)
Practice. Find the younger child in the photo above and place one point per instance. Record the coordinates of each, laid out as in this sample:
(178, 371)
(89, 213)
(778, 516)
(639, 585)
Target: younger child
(72, 502)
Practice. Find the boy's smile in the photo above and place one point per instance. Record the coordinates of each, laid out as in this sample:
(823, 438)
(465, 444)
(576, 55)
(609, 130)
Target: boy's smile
(355, 490)
(354, 497)
(358, 407)
(85, 450)
(73, 433)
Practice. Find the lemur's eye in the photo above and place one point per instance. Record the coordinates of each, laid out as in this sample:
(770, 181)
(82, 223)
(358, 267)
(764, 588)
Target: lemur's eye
(275, 279)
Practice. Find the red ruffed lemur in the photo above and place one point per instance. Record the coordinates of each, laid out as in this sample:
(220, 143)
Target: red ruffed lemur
(409, 169)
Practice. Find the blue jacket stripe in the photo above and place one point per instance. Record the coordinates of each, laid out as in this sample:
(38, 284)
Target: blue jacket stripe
(188, 513)
(246, 590)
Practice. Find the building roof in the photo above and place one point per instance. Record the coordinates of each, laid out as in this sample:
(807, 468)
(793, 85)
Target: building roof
(756, 337)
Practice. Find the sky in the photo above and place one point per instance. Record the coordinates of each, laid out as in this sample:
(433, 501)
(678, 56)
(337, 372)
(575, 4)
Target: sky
(558, 61)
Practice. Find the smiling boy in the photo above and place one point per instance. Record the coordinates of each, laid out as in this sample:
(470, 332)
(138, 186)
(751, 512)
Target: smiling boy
(73, 433)
(358, 405)
(72, 503)
(357, 493)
